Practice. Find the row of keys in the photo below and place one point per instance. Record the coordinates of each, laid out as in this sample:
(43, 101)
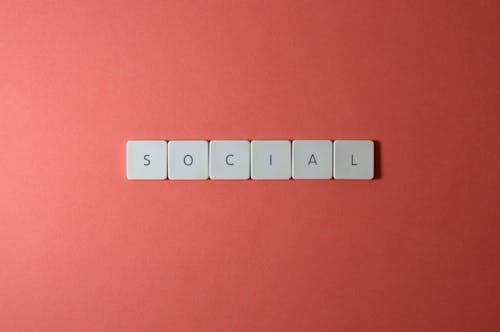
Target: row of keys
(257, 159)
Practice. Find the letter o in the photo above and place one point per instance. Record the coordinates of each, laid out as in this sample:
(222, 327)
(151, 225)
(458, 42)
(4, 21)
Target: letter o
(190, 158)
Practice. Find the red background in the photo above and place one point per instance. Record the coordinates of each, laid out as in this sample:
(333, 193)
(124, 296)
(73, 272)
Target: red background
(82, 249)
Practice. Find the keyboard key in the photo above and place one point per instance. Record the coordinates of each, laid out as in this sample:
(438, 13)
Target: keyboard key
(146, 160)
(270, 160)
(353, 159)
(229, 160)
(312, 159)
(188, 160)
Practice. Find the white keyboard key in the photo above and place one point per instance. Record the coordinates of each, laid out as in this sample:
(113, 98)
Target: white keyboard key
(188, 160)
(146, 160)
(229, 160)
(353, 159)
(312, 159)
(270, 160)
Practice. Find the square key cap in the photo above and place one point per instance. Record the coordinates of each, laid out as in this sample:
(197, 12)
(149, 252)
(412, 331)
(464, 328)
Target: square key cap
(270, 160)
(146, 160)
(187, 160)
(353, 159)
(312, 159)
(229, 160)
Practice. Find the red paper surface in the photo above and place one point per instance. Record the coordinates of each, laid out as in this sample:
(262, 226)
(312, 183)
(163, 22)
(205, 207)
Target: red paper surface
(83, 249)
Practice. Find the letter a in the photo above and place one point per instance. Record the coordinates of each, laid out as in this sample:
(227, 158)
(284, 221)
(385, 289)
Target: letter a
(312, 160)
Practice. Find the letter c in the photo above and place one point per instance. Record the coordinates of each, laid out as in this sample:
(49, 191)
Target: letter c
(227, 159)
